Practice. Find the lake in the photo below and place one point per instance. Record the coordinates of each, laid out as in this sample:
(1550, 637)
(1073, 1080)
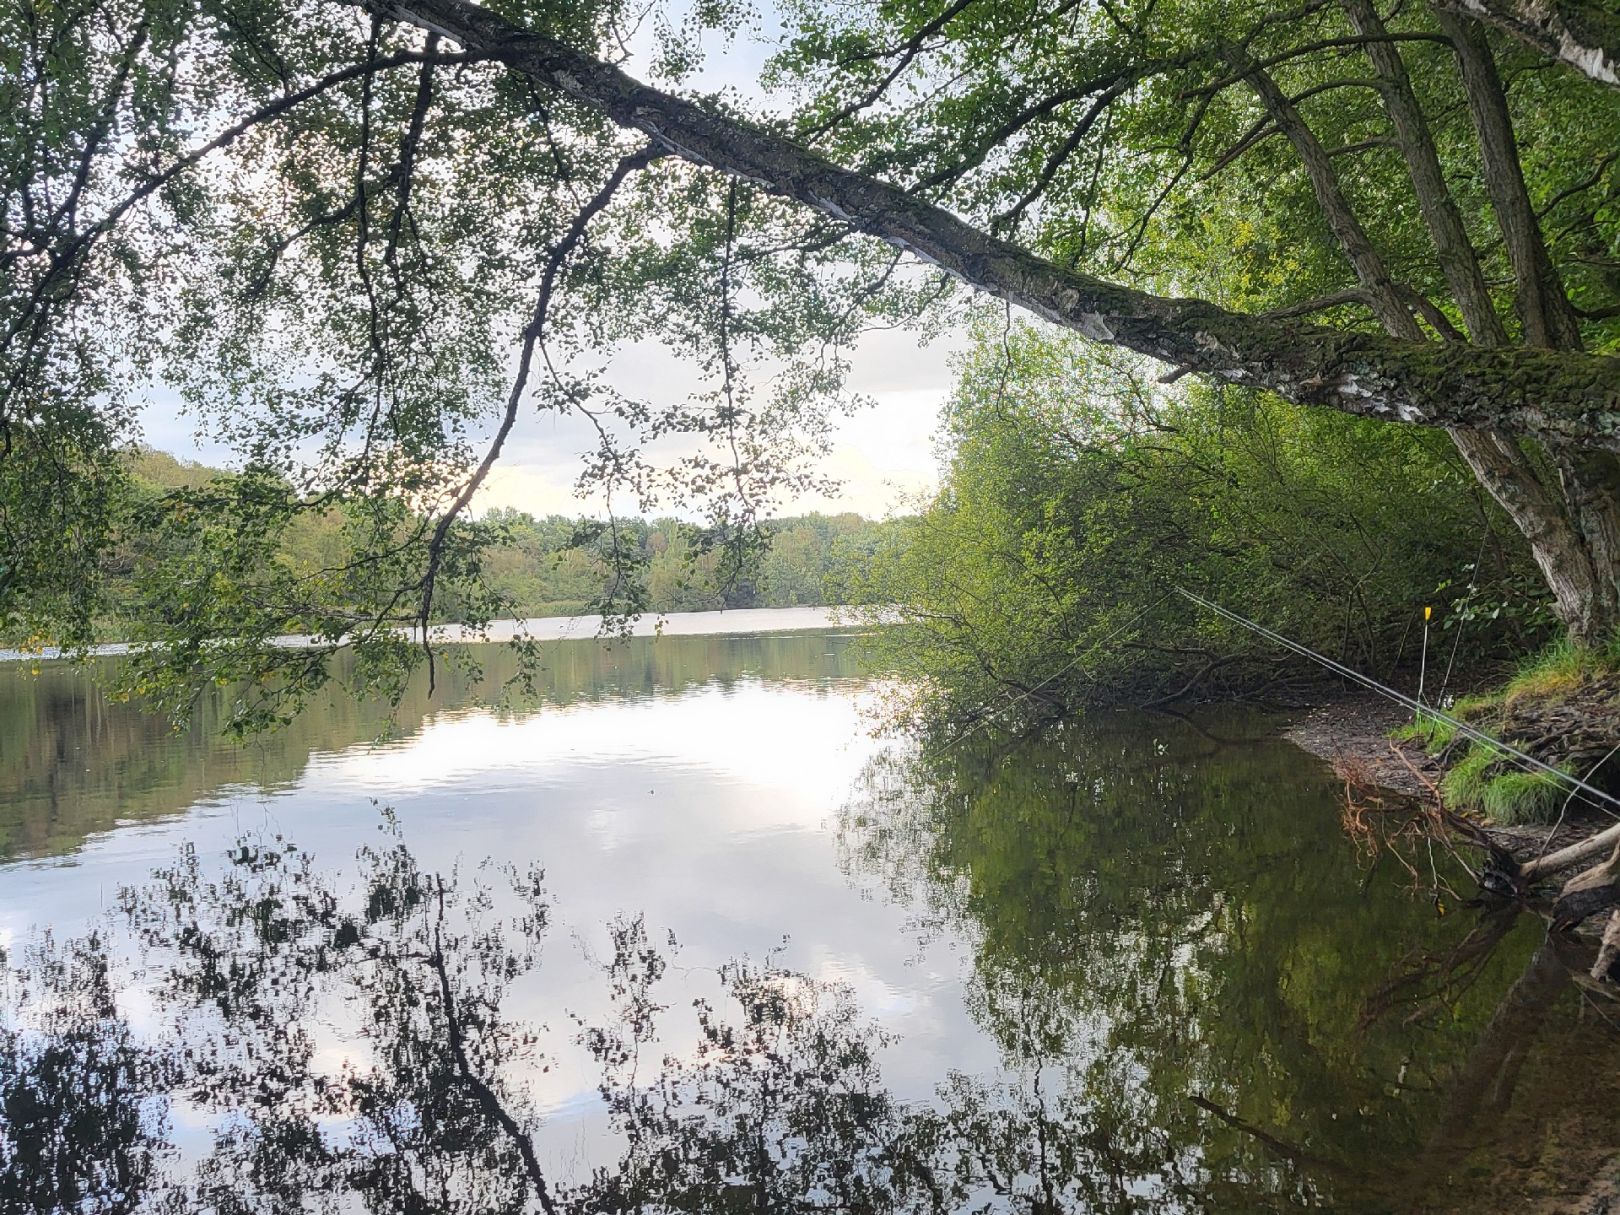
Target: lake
(681, 930)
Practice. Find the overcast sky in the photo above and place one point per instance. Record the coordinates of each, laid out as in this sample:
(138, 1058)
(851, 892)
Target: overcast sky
(883, 456)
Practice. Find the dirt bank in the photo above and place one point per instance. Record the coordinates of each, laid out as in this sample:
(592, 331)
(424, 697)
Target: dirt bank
(1351, 731)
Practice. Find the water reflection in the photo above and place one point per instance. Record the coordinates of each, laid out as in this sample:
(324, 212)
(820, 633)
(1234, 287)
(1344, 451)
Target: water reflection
(259, 1037)
(1165, 912)
(73, 764)
(1181, 991)
(776, 1103)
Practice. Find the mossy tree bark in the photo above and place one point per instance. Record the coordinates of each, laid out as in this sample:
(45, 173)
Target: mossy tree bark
(1582, 33)
(1572, 534)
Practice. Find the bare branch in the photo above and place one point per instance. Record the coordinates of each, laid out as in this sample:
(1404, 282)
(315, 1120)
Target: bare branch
(532, 334)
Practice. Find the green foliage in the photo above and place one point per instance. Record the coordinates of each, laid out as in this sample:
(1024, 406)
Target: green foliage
(1130, 141)
(197, 547)
(1483, 780)
(359, 257)
(1176, 176)
(1077, 495)
(325, 238)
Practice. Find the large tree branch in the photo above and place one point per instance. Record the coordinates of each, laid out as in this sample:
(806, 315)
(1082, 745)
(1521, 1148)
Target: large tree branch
(1582, 33)
(1559, 396)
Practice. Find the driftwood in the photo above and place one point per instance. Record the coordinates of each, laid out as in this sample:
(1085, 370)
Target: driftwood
(1589, 893)
(1565, 858)
(1609, 950)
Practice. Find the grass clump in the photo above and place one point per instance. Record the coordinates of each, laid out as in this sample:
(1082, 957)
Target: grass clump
(1483, 777)
(1514, 798)
(1560, 669)
(1507, 796)
(1432, 733)
(1464, 784)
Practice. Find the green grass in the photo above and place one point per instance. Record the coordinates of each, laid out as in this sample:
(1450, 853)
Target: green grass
(1506, 796)
(1481, 780)
(1522, 797)
(1464, 784)
(1433, 733)
(1559, 669)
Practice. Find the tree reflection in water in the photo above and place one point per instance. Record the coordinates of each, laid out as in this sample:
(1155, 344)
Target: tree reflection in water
(1179, 1000)
(1167, 914)
(206, 998)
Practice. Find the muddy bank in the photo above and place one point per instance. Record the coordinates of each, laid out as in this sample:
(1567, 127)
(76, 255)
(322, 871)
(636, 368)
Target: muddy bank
(1351, 731)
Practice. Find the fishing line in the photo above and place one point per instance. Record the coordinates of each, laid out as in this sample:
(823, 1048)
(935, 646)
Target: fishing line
(1367, 681)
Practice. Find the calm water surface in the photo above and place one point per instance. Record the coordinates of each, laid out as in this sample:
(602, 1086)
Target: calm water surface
(772, 963)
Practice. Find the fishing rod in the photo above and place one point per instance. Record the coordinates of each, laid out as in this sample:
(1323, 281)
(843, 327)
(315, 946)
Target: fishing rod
(1367, 681)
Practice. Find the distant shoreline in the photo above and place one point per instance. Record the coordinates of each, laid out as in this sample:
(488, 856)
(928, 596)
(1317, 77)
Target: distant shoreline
(726, 622)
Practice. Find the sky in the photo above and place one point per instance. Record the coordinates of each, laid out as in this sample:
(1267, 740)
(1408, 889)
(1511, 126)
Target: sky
(882, 457)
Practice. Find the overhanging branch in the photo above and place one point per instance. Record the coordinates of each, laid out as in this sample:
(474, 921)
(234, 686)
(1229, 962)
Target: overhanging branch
(1558, 396)
(1585, 34)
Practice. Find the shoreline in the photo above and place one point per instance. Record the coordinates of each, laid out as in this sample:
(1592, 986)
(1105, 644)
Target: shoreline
(1350, 731)
(720, 622)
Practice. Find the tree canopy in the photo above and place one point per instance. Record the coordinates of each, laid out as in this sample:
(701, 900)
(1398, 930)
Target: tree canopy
(363, 242)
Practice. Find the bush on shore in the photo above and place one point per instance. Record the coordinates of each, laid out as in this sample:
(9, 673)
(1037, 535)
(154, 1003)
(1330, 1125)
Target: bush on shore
(1077, 495)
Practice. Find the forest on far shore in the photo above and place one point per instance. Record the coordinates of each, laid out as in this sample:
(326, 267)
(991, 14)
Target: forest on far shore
(556, 565)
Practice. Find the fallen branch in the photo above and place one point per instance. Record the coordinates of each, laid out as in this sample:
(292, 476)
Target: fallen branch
(1564, 858)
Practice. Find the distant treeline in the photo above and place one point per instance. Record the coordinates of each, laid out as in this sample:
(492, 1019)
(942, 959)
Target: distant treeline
(555, 565)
